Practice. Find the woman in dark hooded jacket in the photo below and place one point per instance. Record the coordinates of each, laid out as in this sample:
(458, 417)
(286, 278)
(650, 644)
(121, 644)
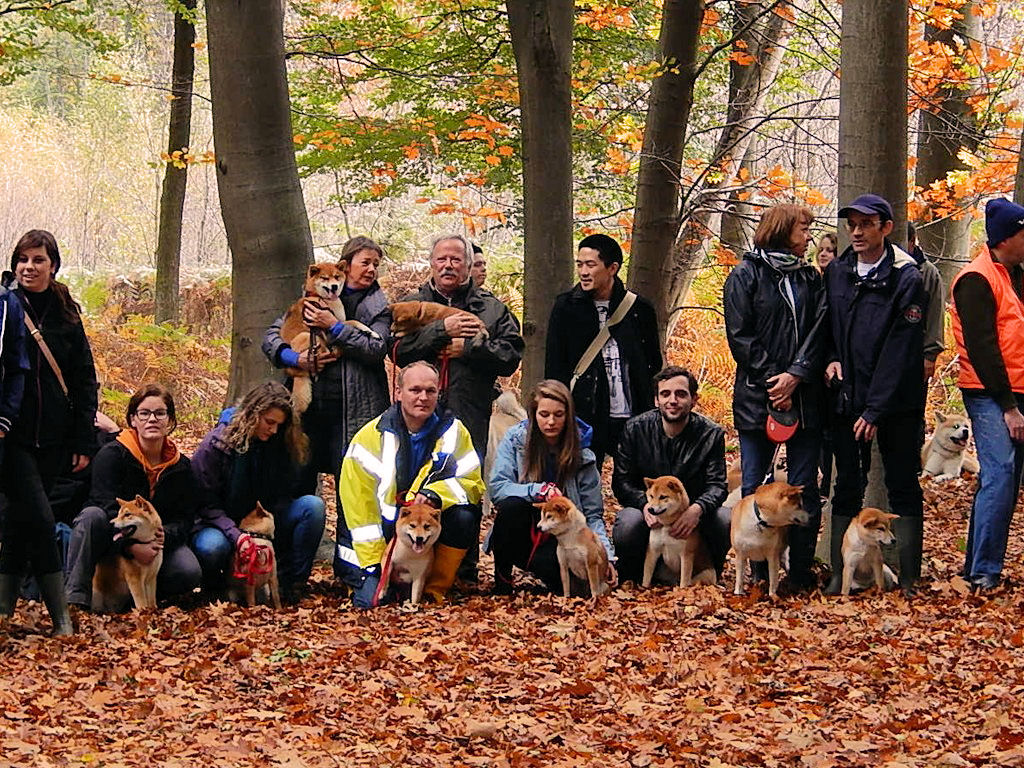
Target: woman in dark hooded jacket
(775, 312)
(54, 429)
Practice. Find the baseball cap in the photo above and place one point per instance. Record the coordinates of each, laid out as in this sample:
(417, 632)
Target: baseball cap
(869, 205)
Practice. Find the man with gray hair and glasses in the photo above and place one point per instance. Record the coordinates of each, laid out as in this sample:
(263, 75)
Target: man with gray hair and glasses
(469, 363)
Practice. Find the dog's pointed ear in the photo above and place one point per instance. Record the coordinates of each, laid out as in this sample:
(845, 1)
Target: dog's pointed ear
(121, 501)
(540, 505)
(648, 481)
(939, 418)
(313, 271)
(890, 516)
(435, 514)
(139, 498)
(404, 512)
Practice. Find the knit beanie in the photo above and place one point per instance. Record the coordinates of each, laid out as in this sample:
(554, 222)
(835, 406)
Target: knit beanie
(1003, 220)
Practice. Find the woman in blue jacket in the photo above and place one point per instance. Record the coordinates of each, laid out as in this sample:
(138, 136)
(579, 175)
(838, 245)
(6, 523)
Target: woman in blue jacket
(545, 455)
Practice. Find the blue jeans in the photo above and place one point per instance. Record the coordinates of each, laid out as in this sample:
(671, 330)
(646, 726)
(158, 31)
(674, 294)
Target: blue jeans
(296, 537)
(803, 452)
(1001, 460)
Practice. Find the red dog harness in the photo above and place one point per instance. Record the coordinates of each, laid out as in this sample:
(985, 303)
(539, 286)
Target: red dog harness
(253, 558)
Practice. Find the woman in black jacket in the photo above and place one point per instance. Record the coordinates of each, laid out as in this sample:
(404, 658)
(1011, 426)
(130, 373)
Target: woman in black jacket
(54, 429)
(775, 319)
(143, 461)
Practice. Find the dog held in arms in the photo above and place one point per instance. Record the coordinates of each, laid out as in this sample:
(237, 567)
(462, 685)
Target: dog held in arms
(579, 551)
(254, 563)
(118, 576)
(667, 500)
(324, 283)
(944, 454)
(758, 529)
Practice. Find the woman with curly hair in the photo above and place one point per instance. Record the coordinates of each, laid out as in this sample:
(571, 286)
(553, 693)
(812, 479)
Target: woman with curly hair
(254, 455)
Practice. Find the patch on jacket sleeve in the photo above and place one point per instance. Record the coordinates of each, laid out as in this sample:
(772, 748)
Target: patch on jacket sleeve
(912, 314)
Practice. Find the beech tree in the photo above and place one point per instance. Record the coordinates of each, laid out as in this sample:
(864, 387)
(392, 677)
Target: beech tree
(257, 177)
(172, 195)
(542, 42)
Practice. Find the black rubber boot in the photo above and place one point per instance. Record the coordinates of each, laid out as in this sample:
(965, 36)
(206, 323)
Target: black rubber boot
(839, 525)
(51, 585)
(10, 588)
(909, 533)
(802, 541)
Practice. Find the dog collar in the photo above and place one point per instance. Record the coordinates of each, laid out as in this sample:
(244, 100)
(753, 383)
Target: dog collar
(760, 520)
(259, 536)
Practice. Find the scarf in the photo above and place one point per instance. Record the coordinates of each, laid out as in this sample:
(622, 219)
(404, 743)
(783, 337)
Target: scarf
(169, 456)
(782, 261)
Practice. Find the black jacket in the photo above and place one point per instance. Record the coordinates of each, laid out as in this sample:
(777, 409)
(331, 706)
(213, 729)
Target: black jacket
(116, 473)
(876, 328)
(49, 417)
(767, 337)
(471, 376)
(573, 325)
(696, 456)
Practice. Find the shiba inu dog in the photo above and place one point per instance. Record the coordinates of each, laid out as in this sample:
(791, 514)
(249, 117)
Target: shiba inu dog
(416, 532)
(119, 577)
(945, 454)
(407, 316)
(667, 500)
(758, 529)
(579, 550)
(862, 550)
(254, 562)
(324, 283)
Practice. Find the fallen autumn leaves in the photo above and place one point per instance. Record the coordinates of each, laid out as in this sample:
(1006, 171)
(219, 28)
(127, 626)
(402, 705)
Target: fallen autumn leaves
(655, 678)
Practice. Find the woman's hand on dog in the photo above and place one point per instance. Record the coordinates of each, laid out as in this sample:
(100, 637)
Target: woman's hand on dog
(315, 365)
(145, 552)
(314, 314)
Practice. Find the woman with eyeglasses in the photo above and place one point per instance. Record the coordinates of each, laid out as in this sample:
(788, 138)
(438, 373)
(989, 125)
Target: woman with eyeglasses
(141, 461)
(53, 431)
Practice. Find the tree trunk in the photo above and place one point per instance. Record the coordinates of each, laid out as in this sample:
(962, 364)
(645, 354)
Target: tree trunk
(873, 151)
(736, 231)
(1018, 182)
(260, 197)
(944, 128)
(172, 195)
(872, 103)
(542, 43)
(667, 279)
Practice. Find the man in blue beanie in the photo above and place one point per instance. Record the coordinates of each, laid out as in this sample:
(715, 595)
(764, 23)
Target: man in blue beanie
(988, 323)
(875, 371)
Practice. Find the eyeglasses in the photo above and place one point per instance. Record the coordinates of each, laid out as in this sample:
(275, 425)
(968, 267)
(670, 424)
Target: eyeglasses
(146, 415)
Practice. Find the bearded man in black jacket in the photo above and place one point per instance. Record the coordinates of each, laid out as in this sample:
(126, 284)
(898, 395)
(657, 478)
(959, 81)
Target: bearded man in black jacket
(670, 440)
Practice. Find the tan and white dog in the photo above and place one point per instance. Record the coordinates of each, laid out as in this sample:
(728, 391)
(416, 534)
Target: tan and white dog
(579, 550)
(408, 316)
(416, 532)
(758, 529)
(862, 550)
(945, 453)
(324, 283)
(667, 500)
(254, 562)
(117, 577)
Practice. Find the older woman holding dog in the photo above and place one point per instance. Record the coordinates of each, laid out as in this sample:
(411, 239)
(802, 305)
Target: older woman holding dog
(350, 387)
(143, 461)
(254, 455)
(775, 321)
(54, 429)
(544, 456)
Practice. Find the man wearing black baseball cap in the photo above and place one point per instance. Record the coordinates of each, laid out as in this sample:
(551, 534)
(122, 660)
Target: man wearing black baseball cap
(988, 323)
(875, 370)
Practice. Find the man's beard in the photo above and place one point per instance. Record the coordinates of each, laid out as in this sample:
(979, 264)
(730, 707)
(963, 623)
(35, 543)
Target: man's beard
(682, 416)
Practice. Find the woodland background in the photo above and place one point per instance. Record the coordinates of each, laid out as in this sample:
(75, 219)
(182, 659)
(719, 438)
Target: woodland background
(191, 160)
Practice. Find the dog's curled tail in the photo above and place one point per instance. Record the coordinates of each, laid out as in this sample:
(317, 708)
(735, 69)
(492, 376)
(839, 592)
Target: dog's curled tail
(508, 404)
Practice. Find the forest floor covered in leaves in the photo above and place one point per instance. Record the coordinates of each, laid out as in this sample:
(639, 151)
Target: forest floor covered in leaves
(645, 678)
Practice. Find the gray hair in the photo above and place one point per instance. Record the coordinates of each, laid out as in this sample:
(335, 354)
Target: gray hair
(414, 364)
(467, 249)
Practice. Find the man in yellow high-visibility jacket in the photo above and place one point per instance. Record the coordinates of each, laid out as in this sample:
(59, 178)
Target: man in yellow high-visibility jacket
(414, 451)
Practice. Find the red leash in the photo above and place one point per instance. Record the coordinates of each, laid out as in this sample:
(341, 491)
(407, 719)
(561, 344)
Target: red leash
(253, 559)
